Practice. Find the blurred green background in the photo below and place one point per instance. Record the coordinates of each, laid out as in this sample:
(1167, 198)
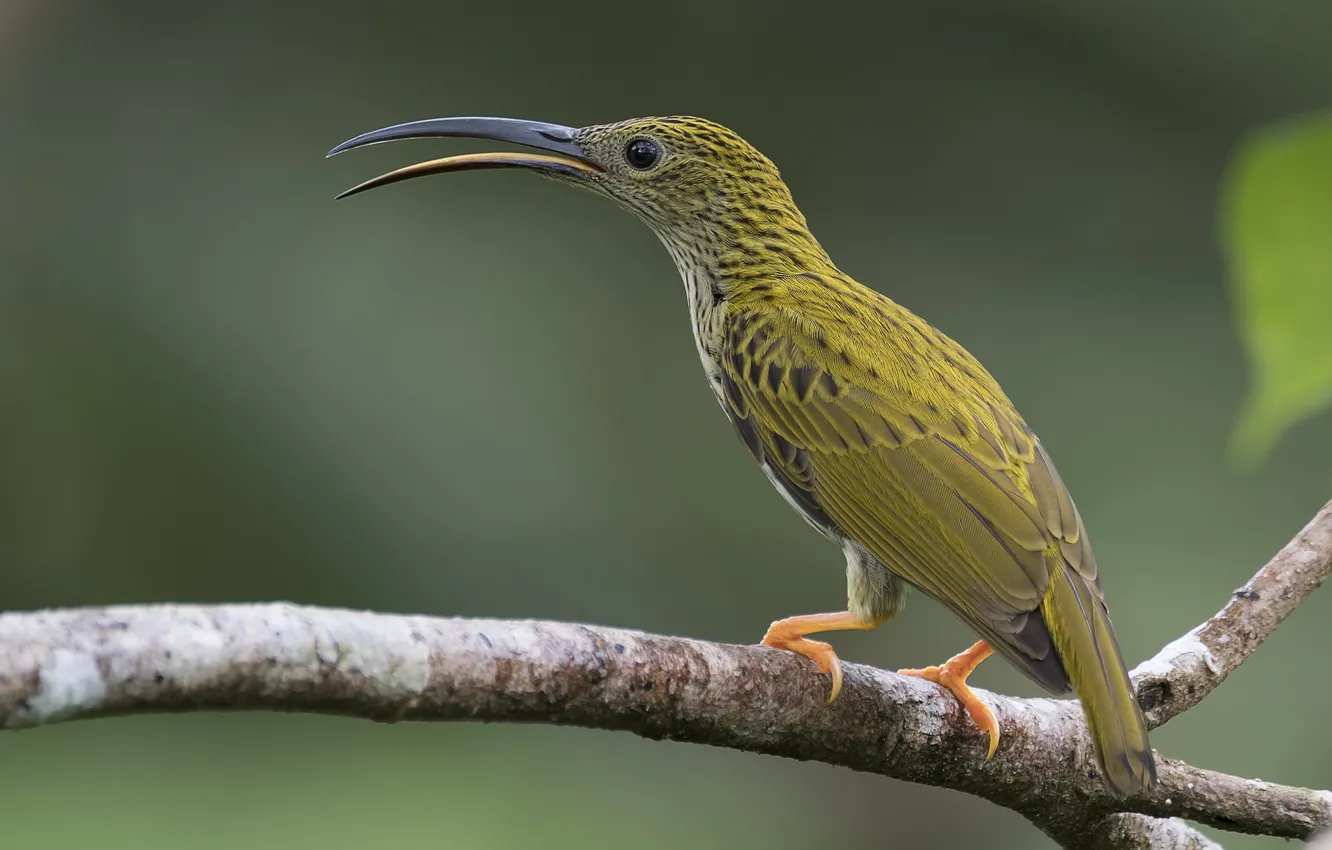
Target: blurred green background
(479, 396)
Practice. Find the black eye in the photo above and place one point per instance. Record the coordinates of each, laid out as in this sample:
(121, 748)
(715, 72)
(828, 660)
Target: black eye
(642, 154)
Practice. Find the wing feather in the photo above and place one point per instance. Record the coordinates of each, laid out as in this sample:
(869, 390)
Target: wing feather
(957, 498)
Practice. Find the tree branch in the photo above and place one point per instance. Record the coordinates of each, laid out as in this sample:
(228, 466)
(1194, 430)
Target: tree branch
(1188, 669)
(72, 664)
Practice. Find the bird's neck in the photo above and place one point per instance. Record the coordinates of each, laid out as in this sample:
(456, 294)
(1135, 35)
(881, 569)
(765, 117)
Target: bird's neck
(745, 242)
(737, 258)
(764, 236)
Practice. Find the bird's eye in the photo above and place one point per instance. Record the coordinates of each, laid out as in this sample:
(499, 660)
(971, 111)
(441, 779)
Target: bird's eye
(642, 154)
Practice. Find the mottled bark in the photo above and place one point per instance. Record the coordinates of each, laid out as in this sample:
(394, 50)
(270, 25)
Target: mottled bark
(66, 665)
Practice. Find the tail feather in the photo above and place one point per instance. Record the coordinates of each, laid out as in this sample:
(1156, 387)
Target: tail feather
(1080, 627)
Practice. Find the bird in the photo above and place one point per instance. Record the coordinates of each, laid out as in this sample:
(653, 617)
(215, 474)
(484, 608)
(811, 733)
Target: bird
(883, 433)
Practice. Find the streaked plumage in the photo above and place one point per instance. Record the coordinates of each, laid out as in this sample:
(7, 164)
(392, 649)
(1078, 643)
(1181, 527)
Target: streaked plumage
(883, 433)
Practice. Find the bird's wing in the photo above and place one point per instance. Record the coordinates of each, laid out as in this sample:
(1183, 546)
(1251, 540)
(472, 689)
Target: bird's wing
(957, 497)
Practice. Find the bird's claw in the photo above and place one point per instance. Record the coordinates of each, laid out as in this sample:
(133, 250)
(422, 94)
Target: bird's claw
(822, 654)
(954, 678)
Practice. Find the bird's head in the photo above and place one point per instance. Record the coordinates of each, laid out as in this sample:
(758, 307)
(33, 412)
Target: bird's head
(705, 191)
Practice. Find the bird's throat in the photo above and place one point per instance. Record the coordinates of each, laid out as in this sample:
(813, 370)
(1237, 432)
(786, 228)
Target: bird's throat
(705, 293)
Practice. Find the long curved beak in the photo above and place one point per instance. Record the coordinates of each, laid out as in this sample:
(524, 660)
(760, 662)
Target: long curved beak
(555, 138)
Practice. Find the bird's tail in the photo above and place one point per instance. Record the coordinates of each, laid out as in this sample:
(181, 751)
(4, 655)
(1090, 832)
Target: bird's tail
(1080, 626)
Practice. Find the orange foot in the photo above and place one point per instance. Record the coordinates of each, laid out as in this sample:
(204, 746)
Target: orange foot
(952, 674)
(790, 634)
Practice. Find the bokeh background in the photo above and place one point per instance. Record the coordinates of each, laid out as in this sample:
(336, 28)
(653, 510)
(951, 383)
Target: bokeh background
(479, 396)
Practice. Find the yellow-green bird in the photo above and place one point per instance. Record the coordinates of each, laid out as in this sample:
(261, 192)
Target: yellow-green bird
(884, 434)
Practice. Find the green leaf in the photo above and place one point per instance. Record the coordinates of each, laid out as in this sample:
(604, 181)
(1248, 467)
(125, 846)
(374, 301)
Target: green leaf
(1278, 231)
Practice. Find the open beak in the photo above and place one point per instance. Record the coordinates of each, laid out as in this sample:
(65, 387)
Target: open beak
(554, 138)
